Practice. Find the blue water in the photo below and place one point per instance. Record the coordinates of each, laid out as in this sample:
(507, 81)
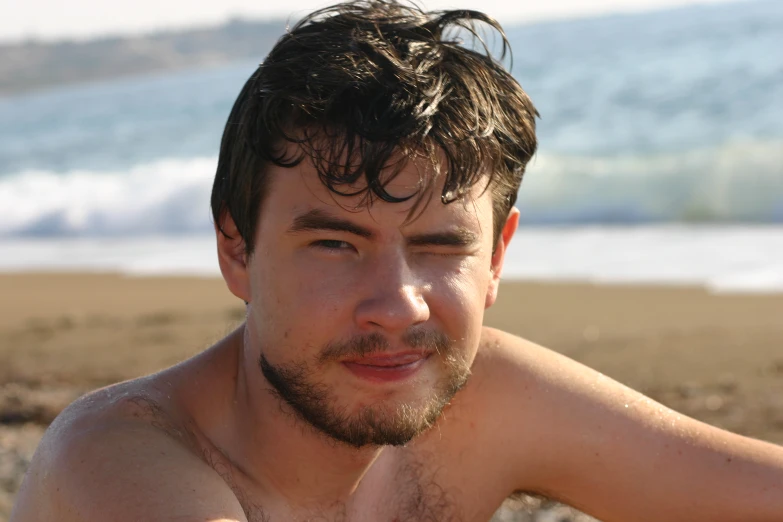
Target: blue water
(672, 116)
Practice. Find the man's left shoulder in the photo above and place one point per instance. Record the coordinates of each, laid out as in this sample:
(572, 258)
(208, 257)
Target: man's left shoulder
(502, 359)
(508, 363)
(495, 342)
(502, 374)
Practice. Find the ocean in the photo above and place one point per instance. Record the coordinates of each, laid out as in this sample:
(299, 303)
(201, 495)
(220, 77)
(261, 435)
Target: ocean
(660, 159)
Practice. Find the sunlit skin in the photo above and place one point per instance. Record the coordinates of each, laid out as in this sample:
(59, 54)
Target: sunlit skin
(307, 286)
(386, 277)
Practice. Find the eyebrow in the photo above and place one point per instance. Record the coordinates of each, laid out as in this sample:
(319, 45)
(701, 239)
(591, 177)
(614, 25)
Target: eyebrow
(317, 219)
(459, 237)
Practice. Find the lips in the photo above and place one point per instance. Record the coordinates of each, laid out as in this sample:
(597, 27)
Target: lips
(388, 360)
(386, 367)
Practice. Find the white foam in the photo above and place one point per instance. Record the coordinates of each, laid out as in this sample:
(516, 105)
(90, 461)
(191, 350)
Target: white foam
(168, 196)
(736, 181)
(723, 259)
(188, 255)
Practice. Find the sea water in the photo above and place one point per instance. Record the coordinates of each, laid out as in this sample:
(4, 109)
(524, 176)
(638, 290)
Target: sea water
(660, 158)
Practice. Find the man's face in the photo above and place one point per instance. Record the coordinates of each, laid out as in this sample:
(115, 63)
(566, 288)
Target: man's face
(366, 322)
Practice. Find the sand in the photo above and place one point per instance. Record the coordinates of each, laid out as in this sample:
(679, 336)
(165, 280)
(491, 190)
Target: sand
(718, 358)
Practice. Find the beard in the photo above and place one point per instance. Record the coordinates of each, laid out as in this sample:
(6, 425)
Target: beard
(311, 401)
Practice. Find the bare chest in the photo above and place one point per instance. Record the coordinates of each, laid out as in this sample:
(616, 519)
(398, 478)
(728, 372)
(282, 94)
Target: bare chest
(416, 492)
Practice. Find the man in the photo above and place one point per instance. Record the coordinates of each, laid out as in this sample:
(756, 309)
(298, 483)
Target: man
(363, 205)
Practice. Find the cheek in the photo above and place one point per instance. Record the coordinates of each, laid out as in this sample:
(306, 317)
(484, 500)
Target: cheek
(294, 296)
(471, 276)
(460, 294)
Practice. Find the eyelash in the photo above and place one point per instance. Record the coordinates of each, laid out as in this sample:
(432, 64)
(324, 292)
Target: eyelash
(329, 244)
(335, 245)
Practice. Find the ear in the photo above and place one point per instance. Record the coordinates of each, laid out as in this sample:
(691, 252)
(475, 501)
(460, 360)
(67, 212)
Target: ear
(232, 257)
(498, 256)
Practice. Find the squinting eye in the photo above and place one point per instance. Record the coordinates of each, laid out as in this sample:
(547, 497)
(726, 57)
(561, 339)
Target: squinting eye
(445, 254)
(332, 244)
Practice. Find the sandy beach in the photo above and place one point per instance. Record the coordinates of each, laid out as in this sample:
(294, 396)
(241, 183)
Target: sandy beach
(718, 358)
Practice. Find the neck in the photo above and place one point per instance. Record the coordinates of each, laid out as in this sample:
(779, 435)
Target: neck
(282, 453)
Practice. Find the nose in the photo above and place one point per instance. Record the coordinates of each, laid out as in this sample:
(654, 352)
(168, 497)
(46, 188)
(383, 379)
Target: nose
(394, 299)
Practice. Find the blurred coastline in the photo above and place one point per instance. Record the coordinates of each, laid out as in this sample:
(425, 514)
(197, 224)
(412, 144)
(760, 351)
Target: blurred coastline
(31, 65)
(667, 118)
(652, 239)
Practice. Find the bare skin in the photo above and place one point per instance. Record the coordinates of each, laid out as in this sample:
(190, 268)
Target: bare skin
(208, 440)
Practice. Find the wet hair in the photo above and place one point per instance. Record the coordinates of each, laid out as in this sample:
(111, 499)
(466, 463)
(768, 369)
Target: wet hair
(363, 87)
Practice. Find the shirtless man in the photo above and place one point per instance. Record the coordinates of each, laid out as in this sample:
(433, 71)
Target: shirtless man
(363, 205)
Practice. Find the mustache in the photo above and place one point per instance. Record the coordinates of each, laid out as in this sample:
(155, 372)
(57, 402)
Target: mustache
(361, 345)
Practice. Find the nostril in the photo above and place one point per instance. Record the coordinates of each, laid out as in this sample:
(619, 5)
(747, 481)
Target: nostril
(394, 310)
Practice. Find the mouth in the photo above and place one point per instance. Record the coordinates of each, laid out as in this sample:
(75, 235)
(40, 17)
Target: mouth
(384, 367)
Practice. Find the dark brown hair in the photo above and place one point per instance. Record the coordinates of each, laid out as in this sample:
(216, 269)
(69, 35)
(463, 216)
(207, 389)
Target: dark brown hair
(360, 83)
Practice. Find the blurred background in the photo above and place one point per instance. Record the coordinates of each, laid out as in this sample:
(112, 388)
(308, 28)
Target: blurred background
(651, 245)
(661, 131)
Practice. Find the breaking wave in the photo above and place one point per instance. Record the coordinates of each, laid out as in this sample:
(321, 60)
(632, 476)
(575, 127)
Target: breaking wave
(741, 182)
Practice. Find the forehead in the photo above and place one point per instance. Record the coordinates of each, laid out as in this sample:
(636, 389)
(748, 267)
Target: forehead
(291, 191)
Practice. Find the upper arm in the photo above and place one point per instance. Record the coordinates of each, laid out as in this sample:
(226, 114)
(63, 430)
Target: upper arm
(120, 471)
(587, 440)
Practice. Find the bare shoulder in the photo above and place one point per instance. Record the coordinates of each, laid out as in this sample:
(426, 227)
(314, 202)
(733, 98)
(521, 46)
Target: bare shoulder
(527, 375)
(576, 435)
(121, 454)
